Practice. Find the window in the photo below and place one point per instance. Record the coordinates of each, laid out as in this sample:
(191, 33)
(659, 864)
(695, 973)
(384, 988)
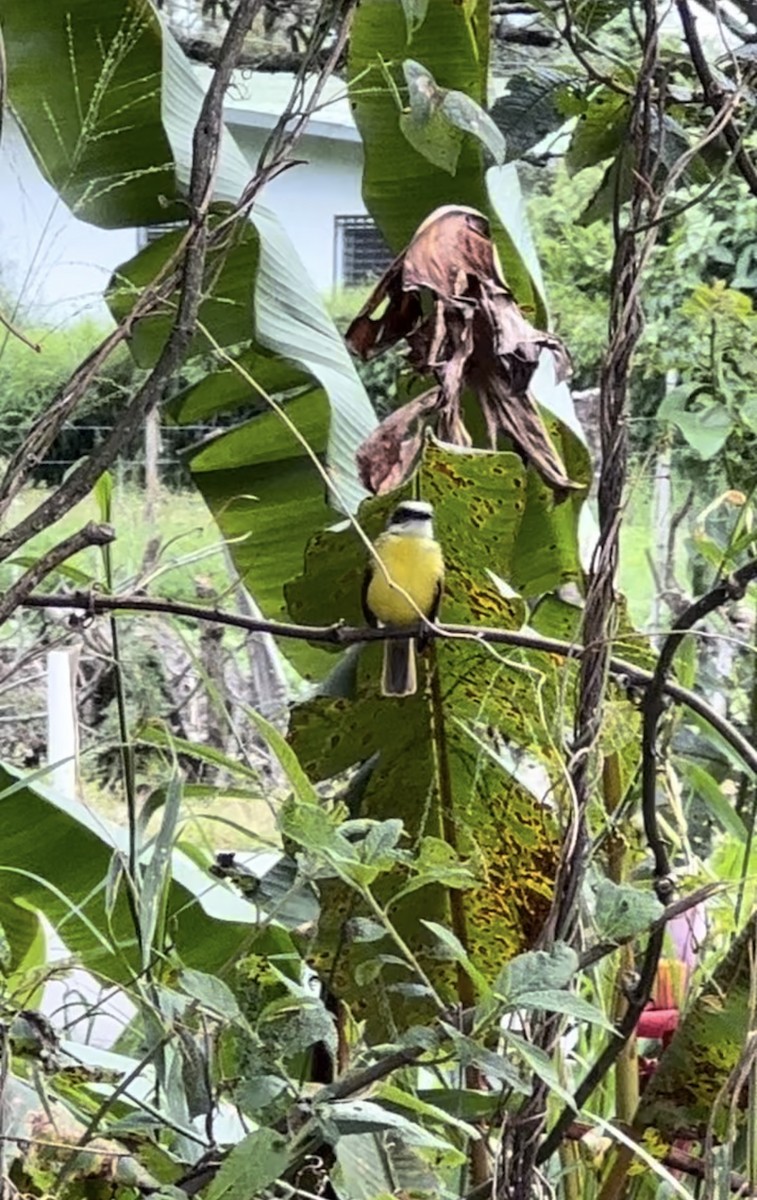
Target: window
(360, 252)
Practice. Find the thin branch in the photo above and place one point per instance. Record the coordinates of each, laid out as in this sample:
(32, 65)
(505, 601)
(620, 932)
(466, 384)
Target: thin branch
(205, 150)
(44, 431)
(674, 1158)
(714, 96)
(17, 333)
(637, 1001)
(18, 593)
(572, 36)
(91, 604)
(732, 588)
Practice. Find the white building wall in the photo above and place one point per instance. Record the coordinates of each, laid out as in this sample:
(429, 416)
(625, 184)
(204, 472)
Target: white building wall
(308, 197)
(58, 267)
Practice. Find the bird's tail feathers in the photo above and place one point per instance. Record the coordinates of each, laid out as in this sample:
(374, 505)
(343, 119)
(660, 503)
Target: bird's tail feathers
(399, 677)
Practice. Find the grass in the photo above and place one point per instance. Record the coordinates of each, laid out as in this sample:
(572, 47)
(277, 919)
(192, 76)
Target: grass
(190, 546)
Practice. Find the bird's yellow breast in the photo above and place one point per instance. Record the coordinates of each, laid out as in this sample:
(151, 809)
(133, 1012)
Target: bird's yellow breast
(414, 564)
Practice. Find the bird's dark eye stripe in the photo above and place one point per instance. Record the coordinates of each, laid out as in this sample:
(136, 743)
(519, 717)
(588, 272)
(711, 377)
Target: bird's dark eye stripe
(400, 515)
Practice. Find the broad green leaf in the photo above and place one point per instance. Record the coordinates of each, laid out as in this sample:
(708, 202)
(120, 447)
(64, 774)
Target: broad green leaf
(415, 15)
(208, 922)
(706, 430)
(264, 492)
(103, 494)
(458, 953)
(226, 310)
(621, 910)
(292, 321)
(531, 108)
(507, 197)
(425, 125)
(211, 992)
(546, 551)
(537, 970)
(287, 759)
(599, 132)
(613, 191)
(496, 1066)
(226, 389)
(439, 117)
(390, 1094)
(280, 890)
(85, 86)
(362, 929)
(368, 1116)
(369, 1165)
(402, 188)
(708, 791)
(465, 1103)
(252, 1165)
(617, 182)
(568, 1003)
(540, 1063)
(464, 114)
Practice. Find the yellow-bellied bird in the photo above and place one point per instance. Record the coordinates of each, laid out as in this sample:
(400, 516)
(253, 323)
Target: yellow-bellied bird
(413, 562)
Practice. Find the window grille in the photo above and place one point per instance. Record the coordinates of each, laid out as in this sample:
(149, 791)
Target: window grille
(360, 252)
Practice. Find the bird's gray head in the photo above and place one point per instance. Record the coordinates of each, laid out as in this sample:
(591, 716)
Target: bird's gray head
(412, 518)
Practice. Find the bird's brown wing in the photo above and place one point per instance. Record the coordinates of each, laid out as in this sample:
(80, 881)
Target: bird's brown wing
(369, 616)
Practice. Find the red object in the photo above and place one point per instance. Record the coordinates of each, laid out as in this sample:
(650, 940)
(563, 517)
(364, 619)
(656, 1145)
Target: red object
(658, 1023)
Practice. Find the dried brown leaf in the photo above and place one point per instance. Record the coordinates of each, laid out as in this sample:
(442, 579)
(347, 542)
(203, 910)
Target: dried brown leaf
(474, 337)
(389, 455)
(519, 419)
(370, 336)
(451, 247)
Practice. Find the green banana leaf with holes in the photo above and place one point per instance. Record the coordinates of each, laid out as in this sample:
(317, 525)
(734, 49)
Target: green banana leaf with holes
(453, 761)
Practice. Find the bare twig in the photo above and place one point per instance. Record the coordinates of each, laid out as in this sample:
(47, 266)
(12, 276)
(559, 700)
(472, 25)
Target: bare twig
(17, 333)
(715, 97)
(92, 603)
(17, 594)
(44, 431)
(732, 588)
(574, 38)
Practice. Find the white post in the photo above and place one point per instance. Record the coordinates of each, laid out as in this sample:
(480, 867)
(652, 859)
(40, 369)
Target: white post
(152, 469)
(62, 727)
